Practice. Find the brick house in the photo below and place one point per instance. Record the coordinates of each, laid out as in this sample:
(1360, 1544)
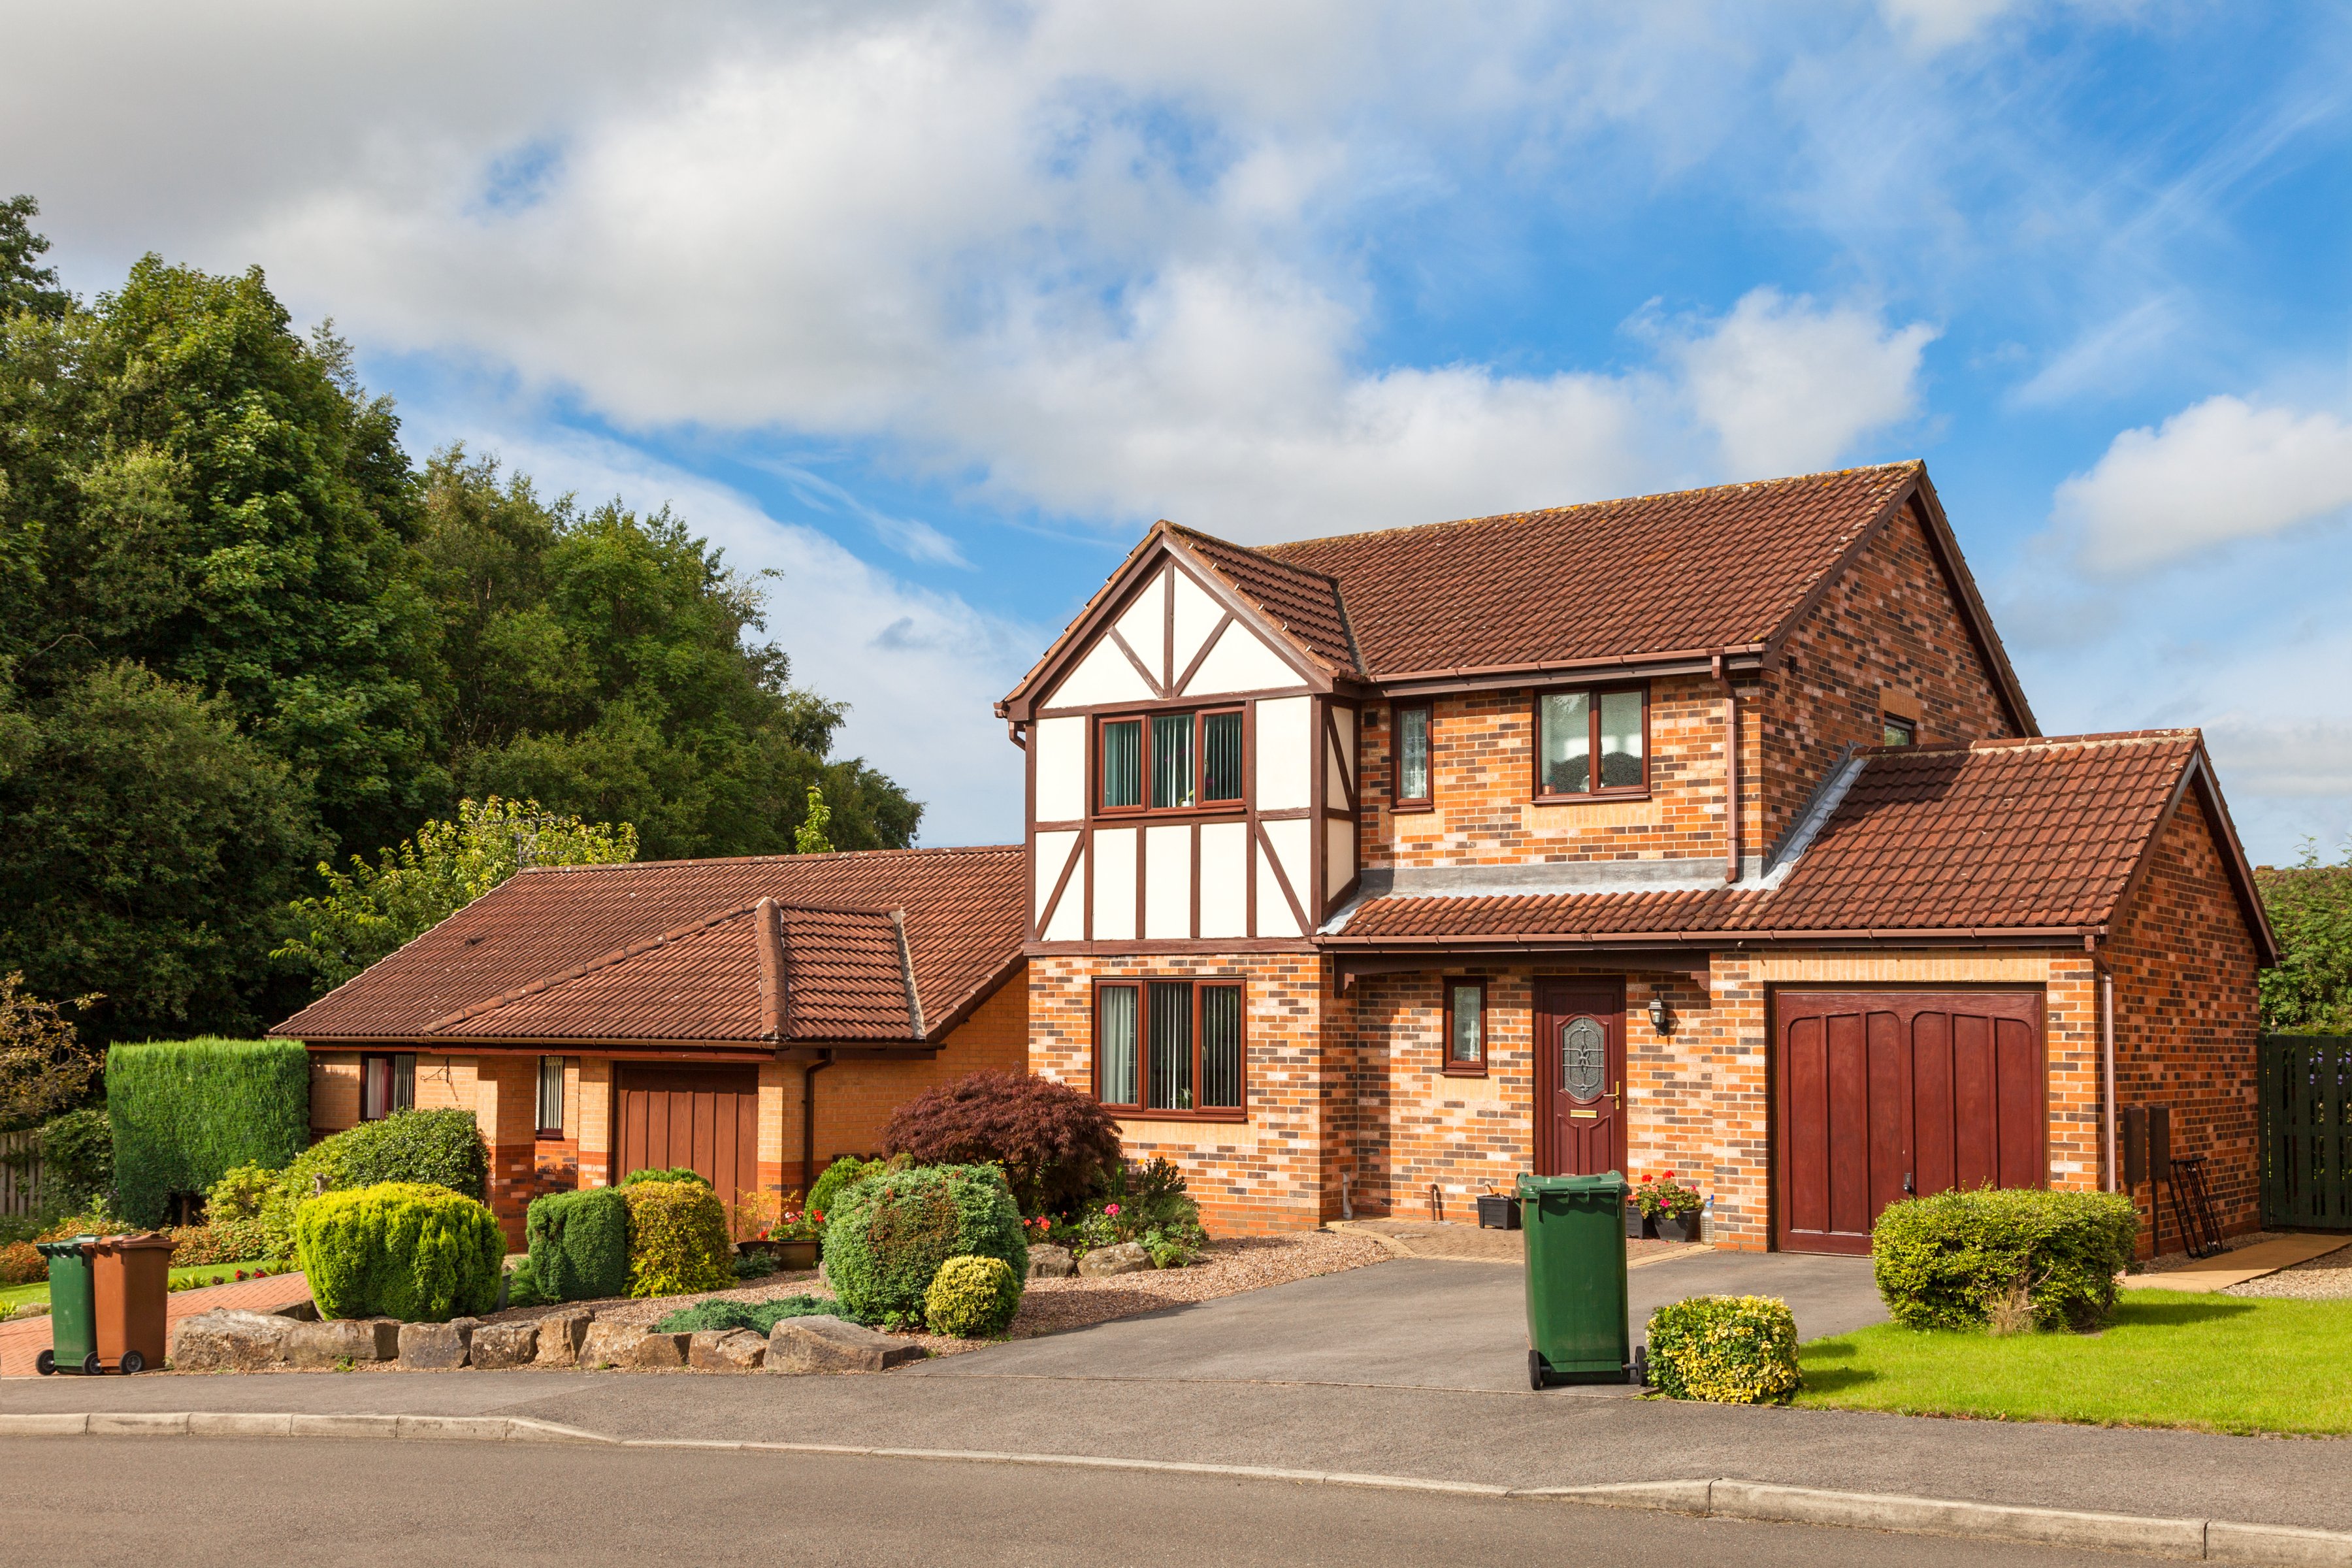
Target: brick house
(1708, 832)
(751, 1018)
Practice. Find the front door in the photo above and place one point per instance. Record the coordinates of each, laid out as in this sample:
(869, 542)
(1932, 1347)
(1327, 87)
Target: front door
(1579, 1076)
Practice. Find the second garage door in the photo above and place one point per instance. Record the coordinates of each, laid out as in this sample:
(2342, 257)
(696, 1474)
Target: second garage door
(1879, 1094)
(704, 1118)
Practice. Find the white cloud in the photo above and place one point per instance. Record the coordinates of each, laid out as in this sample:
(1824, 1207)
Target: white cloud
(1939, 24)
(2219, 471)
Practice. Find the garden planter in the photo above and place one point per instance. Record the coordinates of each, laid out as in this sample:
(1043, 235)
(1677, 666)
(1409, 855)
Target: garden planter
(1672, 1227)
(1637, 1224)
(784, 1255)
(1498, 1211)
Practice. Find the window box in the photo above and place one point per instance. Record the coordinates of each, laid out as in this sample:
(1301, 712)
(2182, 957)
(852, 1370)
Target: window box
(1172, 1049)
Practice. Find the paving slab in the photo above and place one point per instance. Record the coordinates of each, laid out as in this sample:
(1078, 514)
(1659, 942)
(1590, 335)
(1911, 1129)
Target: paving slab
(2240, 1265)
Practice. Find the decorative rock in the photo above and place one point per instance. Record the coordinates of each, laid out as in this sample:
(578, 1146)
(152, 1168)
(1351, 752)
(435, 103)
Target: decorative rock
(726, 1350)
(301, 1311)
(340, 1339)
(1127, 1258)
(436, 1347)
(1047, 1261)
(607, 1344)
(495, 1345)
(230, 1342)
(657, 1352)
(829, 1344)
(562, 1335)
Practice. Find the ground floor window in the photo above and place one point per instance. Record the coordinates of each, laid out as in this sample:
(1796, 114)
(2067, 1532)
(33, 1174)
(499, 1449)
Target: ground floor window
(551, 1097)
(1170, 1045)
(387, 1083)
(1465, 1026)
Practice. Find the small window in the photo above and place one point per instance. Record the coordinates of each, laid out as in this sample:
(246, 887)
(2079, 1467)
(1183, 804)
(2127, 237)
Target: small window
(387, 1083)
(551, 1097)
(1221, 755)
(1412, 755)
(1578, 730)
(1171, 762)
(1465, 1026)
(1122, 764)
(1897, 731)
(1170, 1048)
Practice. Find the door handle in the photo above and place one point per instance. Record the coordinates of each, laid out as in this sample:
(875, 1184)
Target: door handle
(1616, 1090)
(1907, 1189)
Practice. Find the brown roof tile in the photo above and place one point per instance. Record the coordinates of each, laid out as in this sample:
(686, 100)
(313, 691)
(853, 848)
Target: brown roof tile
(1304, 602)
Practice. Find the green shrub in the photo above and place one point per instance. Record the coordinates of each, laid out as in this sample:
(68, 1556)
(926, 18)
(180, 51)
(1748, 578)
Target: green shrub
(400, 1249)
(971, 1298)
(1051, 1141)
(835, 1178)
(77, 1157)
(433, 1147)
(20, 1264)
(522, 1287)
(239, 1193)
(668, 1174)
(184, 1111)
(318, 1168)
(1726, 1350)
(888, 1236)
(580, 1244)
(1941, 1261)
(678, 1240)
(230, 1241)
(757, 1316)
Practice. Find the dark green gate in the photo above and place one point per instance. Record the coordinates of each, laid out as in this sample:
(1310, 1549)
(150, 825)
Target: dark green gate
(2307, 1148)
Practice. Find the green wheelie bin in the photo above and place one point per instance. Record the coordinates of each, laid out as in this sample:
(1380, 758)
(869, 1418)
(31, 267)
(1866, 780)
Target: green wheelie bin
(1577, 1329)
(73, 1308)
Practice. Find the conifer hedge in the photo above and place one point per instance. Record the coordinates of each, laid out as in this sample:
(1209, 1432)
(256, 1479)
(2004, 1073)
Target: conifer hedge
(185, 1112)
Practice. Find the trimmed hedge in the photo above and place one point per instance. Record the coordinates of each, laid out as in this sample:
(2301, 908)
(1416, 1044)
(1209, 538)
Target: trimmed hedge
(435, 1148)
(887, 1236)
(184, 1111)
(971, 1298)
(1725, 1349)
(579, 1243)
(400, 1249)
(678, 1240)
(1941, 1261)
(668, 1174)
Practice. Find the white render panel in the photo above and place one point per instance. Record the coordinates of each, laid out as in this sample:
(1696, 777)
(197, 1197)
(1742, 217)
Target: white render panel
(1059, 745)
(1225, 878)
(1103, 676)
(1339, 759)
(1168, 882)
(1197, 615)
(1115, 884)
(1292, 840)
(1339, 856)
(1284, 749)
(1053, 850)
(1145, 626)
(1241, 662)
(1273, 909)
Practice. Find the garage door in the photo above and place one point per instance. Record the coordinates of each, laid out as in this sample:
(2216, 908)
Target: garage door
(1882, 1093)
(705, 1117)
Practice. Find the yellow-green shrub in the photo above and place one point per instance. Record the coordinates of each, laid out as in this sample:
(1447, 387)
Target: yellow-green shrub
(678, 1240)
(1726, 1350)
(971, 1298)
(400, 1249)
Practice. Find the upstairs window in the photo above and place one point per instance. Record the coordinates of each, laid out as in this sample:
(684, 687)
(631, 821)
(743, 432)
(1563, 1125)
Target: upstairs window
(1575, 728)
(1169, 1047)
(1171, 762)
(1899, 732)
(1412, 783)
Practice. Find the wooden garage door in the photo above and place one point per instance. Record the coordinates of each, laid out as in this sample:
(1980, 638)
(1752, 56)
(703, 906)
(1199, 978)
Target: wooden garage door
(705, 1118)
(1883, 1093)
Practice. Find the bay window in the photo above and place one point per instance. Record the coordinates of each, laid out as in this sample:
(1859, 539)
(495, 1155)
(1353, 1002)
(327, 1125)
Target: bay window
(1169, 762)
(1169, 1047)
(1592, 742)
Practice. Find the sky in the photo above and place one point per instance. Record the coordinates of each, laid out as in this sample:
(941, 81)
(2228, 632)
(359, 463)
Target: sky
(933, 308)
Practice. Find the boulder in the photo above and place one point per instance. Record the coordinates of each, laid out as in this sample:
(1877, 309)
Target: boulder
(829, 1344)
(436, 1347)
(339, 1339)
(230, 1342)
(607, 1344)
(1047, 1261)
(562, 1335)
(495, 1345)
(1127, 1258)
(657, 1352)
(726, 1350)
(304, 1311)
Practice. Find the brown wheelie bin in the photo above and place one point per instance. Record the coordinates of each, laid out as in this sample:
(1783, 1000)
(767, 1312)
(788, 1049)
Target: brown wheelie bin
(134, 1279)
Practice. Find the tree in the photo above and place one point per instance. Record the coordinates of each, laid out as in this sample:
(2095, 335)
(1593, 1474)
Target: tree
(373, 910)
(44, 1067)
(809, 838)
(2310, 908)
(23, 285)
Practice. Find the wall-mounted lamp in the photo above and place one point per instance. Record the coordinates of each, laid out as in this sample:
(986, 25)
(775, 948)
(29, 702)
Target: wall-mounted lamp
(1660, 1020)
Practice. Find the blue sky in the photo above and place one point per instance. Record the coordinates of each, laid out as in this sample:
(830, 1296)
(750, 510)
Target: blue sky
(933, 307)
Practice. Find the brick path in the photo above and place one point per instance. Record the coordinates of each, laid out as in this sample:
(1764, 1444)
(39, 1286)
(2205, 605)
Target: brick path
(21, 1342)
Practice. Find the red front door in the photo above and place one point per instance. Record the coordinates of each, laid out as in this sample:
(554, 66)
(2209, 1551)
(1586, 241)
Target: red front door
(1579, 1076)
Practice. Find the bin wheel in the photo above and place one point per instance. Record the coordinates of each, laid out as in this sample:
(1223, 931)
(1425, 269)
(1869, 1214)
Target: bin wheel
(133, 1361)
(1535, 1369)
(1640, 1376)
(90, 1365)
(46, 1363)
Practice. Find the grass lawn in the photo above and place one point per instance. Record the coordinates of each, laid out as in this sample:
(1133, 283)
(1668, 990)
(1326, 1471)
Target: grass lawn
(14, 1296)
(2220, 1364)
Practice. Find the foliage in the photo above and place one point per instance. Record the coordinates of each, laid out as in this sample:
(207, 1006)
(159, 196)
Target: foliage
(1942, 1261)
(523, 1287)
(845, 1172)
(887, 1237)
(971, 1298)
(677, 1238)
(370, 911)
(580, 1244)
(757, 1316)
(400, 1249)
(1145, 1203)
(1666, 1197)
(668, 1174)
(752, 1265)
(2310, 909)
(810, 837)
(221, 1241)
(1051, 1141)
(184, 1113)
(25, 287)
(75, 1152)
(239, 1193)
(318, 1169)
(440, 1148)
(44, 1066)
(21, 1265)
(1726, 1350)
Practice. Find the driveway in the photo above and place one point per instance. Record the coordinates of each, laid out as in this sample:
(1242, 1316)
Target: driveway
(1410, 1323)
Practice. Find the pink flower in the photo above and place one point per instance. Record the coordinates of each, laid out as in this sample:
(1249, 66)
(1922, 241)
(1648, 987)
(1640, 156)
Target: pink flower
(1110, 1208)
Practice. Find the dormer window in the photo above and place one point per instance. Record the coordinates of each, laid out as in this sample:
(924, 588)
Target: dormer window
(1575, 730)
(1169, 762)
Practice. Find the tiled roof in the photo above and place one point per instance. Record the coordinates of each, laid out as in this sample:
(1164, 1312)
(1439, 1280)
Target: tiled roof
(1304, 602)
(1695, 570)
(671, 951)
(2000, 836)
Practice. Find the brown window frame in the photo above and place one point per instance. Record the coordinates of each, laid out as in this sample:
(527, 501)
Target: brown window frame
(563, 1073)
(1398, 800)
(1134, 1110)
(1543, 796)
(393, 1077)
(1201, 804)
(1890, 722)
(1445, 1059)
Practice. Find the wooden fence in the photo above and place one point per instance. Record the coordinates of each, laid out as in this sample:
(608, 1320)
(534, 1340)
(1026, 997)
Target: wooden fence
(2306, 1137)
(20, 1173)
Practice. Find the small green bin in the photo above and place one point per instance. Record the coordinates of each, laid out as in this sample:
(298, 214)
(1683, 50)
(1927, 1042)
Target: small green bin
(1577, 1328)
(73, 1308)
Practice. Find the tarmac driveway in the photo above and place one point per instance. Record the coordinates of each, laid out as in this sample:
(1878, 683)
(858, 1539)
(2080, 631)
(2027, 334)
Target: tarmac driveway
(1407, 1323)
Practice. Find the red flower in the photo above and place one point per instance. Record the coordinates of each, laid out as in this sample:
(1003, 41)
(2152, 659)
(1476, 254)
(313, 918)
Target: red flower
(1670, 1175)
(1648, 1177)
(240, 1273)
